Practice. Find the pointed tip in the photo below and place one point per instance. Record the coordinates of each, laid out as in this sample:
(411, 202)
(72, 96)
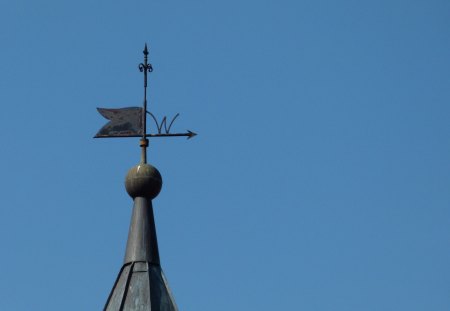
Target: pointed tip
(145, 49)
(191, 134)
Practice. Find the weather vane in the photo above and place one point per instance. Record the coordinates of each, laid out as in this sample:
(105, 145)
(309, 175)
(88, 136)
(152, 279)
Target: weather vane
(140, 284)
(132, 121)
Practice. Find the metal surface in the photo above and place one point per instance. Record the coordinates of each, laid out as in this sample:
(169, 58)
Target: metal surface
(123, 122)
(142, 244)
(143, 180)
(141, 286)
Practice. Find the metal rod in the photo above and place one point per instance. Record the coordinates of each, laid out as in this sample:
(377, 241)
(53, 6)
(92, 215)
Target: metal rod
(189, 134)
(145, 68)
(145, 90)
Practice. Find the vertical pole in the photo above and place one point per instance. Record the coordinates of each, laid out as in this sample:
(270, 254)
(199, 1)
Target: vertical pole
(144, 67)
(145, 90)
(143, 143)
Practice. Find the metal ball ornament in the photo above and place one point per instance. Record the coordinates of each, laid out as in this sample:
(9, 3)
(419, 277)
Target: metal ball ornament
(143, 180)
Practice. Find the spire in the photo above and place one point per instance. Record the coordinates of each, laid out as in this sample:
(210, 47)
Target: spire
(140, 284)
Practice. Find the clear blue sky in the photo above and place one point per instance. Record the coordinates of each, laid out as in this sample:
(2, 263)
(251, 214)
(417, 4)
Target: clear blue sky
(319, 180)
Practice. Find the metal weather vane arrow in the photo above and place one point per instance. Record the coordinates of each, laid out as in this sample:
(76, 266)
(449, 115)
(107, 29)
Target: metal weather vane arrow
(132, 121)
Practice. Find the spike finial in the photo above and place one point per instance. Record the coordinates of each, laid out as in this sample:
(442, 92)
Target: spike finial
(145, 49)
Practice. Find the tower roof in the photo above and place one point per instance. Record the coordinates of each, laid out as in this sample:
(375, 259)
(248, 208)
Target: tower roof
(141, 284)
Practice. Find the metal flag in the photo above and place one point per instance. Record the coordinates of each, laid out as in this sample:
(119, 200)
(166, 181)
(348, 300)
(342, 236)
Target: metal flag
(123, 122)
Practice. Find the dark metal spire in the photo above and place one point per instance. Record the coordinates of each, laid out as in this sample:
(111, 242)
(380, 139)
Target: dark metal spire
(141, 284)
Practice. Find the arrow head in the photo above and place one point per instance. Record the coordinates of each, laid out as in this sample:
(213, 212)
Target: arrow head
(191, 134)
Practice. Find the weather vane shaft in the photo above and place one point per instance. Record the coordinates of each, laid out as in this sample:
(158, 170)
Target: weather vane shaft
(145, 67)
(132, 121)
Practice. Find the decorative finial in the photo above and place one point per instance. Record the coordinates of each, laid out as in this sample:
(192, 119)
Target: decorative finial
(145, 68)
(145, 49)
(143, 180)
